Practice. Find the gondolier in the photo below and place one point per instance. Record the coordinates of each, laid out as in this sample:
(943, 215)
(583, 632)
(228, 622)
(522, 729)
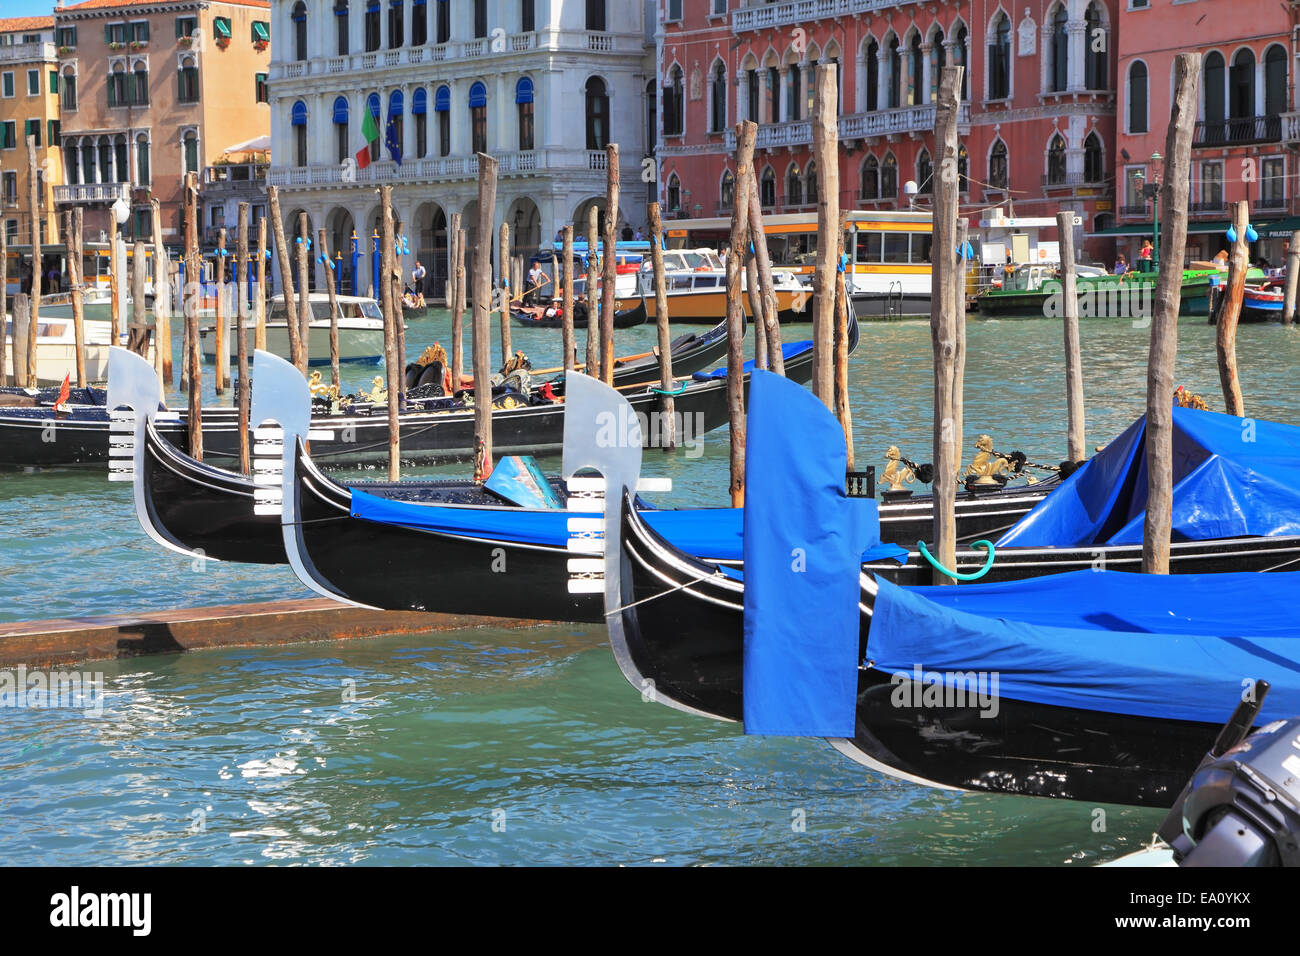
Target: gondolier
(536, 279)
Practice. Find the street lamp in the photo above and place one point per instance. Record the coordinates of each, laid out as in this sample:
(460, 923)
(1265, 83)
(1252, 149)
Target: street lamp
(1151, 190)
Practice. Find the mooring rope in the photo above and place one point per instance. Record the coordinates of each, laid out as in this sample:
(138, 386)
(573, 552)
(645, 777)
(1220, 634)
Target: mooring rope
(959, 575)
(708, 577)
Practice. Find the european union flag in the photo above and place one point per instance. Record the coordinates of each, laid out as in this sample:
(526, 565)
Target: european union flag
(390, 141)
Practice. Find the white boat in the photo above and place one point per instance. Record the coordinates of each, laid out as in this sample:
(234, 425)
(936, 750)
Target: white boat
(56, 350)
(361, 331)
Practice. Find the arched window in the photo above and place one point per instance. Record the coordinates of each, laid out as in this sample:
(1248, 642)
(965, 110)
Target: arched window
(117, 88)
(120, 157)
(298, 121)
(1000, 59)
(1274, 80)
(420, 115)
(442, 106)
(87, 161)
(872, 66)
(478, 118)
(68, 88)
(1213, 85)
(1241, 87)
(889, 177)
(895, 74)
(961, 57)
(1094, 164)
(299, 17)
(373, 107)
(1056, 161)
(651, 116)
(963, 169)
(142, 176)
(727, 191)
(793, 186)
(810, 185)
(371, 24)
(674, 195)
(1095, 43)
(443, 33)
(924, 173)
(341, 137)
(1137, 97)
(187, 81)
(753, 94)
(767, 188)
(917, 62)
(870, 179)
(938, 60)
(794, 77)
(1058, 77)
(774, 93)
(395, 37)
(396, 107)
(718, 98)
(597, 114)
(341, 26)
(140, 95)
(524, 106)
(674, 103)
(190, 146)
(998, 165)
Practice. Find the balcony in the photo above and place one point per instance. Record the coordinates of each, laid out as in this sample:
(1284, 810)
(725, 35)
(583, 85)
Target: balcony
(445, 169)
(1207, 207)
(1291, 127)
(575, 42)
(235, 174)
(906, 119)
(1238, 132)
(1071, 180)
(28, 52)
(1133, 210)
(92, 193)
(1272, 203)
(802, 11)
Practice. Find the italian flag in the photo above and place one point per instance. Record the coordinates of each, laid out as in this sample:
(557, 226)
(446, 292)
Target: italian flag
(370, 130)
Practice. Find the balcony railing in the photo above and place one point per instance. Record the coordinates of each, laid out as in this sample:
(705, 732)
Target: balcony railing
(1270, 202)
(1206, 206)
(1072, 179)
(1133, 210)
(1237, 132)
(92, 192)
(27, 52)
(801, 11)
(568, 42)
(906, 119)
(1291, 127)
(448, 168)
(236, 174)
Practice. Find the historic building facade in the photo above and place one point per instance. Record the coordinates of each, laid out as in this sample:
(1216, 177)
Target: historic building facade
(1037, 125)
(150, 91)
(1247, 130)
(29, 106)
(542, 85)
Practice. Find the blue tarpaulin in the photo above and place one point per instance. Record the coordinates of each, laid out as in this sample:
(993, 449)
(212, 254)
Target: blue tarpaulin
(1232, 477)
(803, 539)
(709, 533)
(788, 351)
(1179, 647)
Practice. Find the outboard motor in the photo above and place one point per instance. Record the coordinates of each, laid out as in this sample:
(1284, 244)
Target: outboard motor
(1243, 809)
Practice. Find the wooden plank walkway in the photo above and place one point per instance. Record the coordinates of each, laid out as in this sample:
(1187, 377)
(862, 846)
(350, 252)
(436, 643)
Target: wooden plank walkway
(64, 641)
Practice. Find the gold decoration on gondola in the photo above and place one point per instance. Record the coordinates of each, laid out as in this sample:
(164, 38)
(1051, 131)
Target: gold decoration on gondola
(320, 390)
(378, 394)
(434, 353)
(1185, 399)
(897, 474)
(988, 465)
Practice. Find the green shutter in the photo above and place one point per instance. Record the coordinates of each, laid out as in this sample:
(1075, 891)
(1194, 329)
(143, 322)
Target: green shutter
(260, 31)
(142, 31)
(222, 25)
(108, 33)
(54, 81)
(53, 138)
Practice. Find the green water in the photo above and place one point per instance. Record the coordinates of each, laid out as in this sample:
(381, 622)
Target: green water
(520, 746)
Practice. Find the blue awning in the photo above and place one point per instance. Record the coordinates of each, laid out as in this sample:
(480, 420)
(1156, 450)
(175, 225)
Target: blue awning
(419, 102)
(395, 103)
(341, 110)
(442, 100)
(524, 90)
(299, 114)
(477, 95)
(372, 104)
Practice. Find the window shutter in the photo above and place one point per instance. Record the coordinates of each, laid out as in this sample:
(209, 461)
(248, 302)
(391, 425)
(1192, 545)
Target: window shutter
(142, 31)
(108, 33)
(54, 81)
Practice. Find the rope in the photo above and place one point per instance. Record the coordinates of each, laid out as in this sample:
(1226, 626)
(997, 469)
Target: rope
(958, 575)
(679, 587)
(673, 391)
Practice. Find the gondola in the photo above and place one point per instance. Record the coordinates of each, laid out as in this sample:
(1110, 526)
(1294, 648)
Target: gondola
(1111, 687)
(537, 317)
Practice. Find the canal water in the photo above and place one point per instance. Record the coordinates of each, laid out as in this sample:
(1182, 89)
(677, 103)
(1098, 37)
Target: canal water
(521, 746)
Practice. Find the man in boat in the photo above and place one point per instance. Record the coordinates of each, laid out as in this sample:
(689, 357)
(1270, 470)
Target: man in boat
(417, 283)
(536, 279)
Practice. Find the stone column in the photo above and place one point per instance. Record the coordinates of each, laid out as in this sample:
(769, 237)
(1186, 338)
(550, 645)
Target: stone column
(927, 92)
(1076, 32)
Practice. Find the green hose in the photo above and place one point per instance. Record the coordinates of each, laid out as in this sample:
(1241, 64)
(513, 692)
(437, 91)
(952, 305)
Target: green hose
(958, 575)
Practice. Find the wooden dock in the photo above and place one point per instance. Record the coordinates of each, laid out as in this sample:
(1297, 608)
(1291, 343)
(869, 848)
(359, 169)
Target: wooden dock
(67, 641)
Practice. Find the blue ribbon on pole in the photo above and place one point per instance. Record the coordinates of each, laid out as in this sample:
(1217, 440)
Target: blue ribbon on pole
(843, 263)
(327, 260)
(220, 252)
(301, 240)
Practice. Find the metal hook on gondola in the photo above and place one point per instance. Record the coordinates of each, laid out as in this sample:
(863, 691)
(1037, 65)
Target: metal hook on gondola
(960, 575)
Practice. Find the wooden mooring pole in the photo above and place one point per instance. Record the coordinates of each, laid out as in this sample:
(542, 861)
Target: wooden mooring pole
(593, 314)
(1225, 331)
(1074, 430)
(162, 297)
(455, 279)
(192, 303)
(259, 297)
(33, 193)
(304, 293)
(825, 135)
(1292, 276)
(667, 404)
(72, 225)
(609, 271)
(843, 411)
(332, 291)
(241, 335)
(221, 373)
(1164, 319)
(746, 132)
(947, 308)
(487, 201)
(392, 365)
(568, 336)
(503, 264)
(137, 339)
(286, 277)
(4, 297)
